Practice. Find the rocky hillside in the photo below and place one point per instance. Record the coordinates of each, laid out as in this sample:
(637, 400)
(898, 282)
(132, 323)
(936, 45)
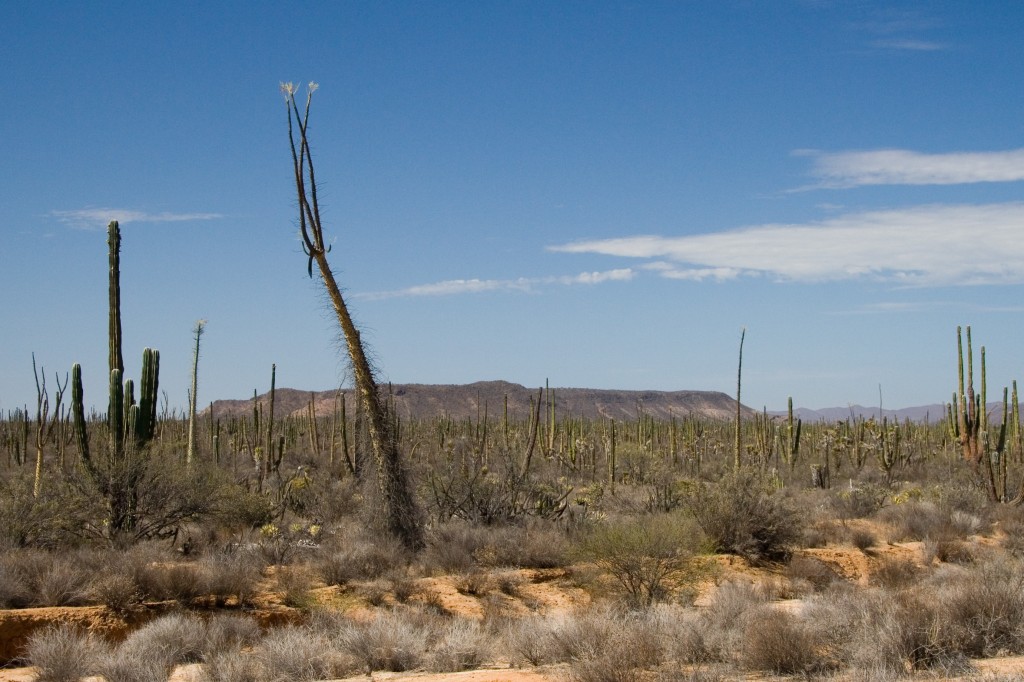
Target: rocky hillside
(423, 401)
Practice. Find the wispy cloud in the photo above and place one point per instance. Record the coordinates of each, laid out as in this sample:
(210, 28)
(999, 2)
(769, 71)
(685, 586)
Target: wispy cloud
(911, 44)
(901, 30)
(840, 170)
(919, 246)
(99, 217)
(454, 287)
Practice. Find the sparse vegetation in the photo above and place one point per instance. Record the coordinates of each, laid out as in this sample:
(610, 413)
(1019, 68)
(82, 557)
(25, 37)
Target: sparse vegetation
(445, 548)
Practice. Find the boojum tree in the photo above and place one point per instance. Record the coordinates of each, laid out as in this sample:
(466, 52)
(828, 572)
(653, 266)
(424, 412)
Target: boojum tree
(400, 512)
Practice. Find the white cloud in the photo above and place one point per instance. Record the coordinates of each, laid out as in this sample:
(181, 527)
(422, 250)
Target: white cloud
(93, 217)
(909, 44)
(919, 246)
(620, 275)
(904, 167)
(453, 287)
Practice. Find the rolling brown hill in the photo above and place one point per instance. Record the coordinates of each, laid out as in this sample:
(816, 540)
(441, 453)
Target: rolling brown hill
(424, 401)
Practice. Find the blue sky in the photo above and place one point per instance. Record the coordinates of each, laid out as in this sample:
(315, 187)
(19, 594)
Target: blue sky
(599, 194)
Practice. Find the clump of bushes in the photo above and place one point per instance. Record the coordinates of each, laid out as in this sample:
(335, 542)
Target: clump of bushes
(744, 514)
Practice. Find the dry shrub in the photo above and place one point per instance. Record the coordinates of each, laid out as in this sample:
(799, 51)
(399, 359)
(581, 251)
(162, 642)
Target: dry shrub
(292, 653)
(295, 584)
(63, 582)
(948, 552)
(362, 560)
(403, 587)
(476, 583)
(581, 634)
(461, 645)
(724, 616)
(37, 578)
(226, 631)
(744, 514)
(15, 592)
(63, 654)
(608, 667)
(685, 636)
(524, 640)
(896, 631)
(915, 521)
(982, 609)
(232, 666)
(235, 575)
(863, 539)
(172, 640)
(116, 591)
(457, 546)
(393, 642)
(124, 667)
(896, 573)
(778, 642)
(814, 571)
(649, 557)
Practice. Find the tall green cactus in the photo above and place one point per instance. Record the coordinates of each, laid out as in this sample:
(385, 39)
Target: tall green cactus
(78, 413)
(131, 425)
(791, 451)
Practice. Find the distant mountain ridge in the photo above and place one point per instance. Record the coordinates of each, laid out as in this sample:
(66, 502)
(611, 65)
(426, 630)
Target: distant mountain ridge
(924, 413)
(424, 401)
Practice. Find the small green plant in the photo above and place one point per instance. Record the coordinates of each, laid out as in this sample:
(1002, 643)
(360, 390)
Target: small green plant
(650, 557)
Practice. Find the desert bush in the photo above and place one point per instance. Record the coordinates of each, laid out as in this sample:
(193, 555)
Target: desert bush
(947, 551)
(582, 634)
(241, 509)
(524, 640)
(682, 633)
(292, 653)
(607, 667)
(392, 642)
(814, 571)
(778, 642)
(295, 584)
(918, 521)
(896, 631)
(649, 557)
(403, 586)
(51, 521)
(896, 573)
(62, 654)
(743, 514)
(859, 501)
(225, 631)
(981, 609)
(363, 559)
(37, 578)
(120, 666)
(475, 583)
(171, 640)
(724, 616)
(230, 575)
(863, 539)
(462, 645)
(117, 591)
(457, 546)
(232, 666)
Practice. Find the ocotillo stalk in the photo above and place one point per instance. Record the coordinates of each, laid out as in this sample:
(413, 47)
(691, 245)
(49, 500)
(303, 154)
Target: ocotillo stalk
(739, 426)
(400, 512)
(197, 331)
